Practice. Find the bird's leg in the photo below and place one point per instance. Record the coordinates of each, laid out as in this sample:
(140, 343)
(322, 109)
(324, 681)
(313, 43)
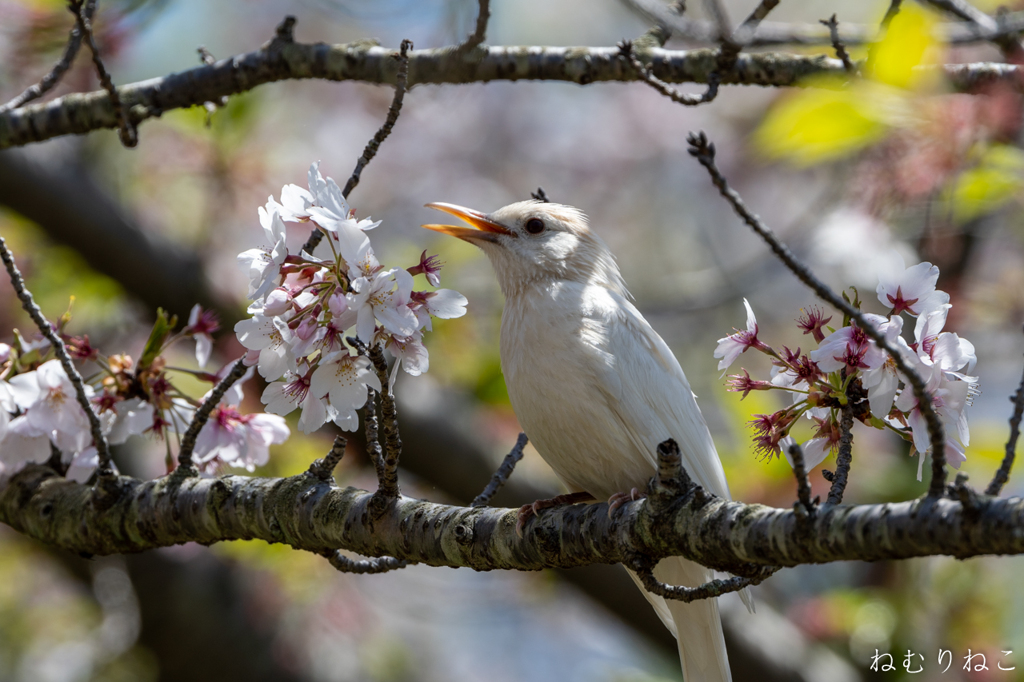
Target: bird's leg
(619, 499)
(529, 510)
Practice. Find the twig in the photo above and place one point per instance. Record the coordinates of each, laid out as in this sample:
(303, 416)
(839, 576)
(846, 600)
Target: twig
(389, 416)
(387, 473)
(979, 23)
(127, 131)
(374, 144)
(1003, 475)
(541, 195)
(672, 481)
(57, 72)
(704, 152)
(890, 14)
(845, 457)
(379, 565)
(502, 474)
(720, 18)
(188, 441)
(715, 588)
(373, 449)
(27, 302)
(476, 38)
(659, 34)
(837, 44)
(393, 111)
(803, 486)
(324, 468)
(645, 74)
(748, 28)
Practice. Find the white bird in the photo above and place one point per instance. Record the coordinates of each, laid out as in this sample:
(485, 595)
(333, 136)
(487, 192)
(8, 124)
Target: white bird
(594, 387)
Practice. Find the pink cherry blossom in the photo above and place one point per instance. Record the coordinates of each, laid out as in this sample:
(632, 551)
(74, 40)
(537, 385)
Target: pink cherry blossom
(263, 264)
(240, 440)
(51, 407)
(202, 324)
(732, 346)
(912, 289)
(282, 397)
(344, 378)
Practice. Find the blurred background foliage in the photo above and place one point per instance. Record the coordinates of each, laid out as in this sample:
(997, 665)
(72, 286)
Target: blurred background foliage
(847, 174)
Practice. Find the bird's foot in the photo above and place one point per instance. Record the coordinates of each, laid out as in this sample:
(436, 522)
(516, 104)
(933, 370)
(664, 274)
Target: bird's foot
(529, 510)
(619, 499)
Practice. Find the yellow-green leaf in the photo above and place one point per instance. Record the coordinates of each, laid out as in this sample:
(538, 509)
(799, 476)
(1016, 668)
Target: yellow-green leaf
(908, 43)
(816, 125)
(998, 177)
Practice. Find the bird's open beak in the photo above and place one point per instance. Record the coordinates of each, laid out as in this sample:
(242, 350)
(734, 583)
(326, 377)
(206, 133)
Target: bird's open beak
(484, 229)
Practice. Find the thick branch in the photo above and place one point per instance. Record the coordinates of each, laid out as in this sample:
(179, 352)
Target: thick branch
(310, 514)
(283, 59)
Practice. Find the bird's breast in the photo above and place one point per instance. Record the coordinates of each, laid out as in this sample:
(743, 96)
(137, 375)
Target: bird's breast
(554, 353)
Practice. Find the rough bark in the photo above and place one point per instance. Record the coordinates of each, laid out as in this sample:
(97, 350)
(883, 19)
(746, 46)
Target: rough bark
(283, 59)
(309, 514)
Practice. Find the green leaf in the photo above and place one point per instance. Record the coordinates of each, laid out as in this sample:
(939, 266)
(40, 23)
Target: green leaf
(161, 329)
(818, 125)
(907, 44)
(998, 177)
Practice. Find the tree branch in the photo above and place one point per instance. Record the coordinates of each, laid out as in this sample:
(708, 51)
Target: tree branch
(284, 59)
(309, 514)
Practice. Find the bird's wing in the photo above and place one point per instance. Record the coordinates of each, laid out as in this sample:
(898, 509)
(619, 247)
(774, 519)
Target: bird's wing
(648, 392)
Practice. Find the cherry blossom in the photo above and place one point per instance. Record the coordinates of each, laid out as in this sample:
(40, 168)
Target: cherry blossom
(282, 397)
(263, 264)
(911, 290)
(812, 321)
(384, 298)
(271, 337)
(949, 400)
(344, 378)
(428, 266)
(848, 365)
(202, 324)
(410, 353)
(240, 440)
(444, 304)
(732, 346)
(50, 407)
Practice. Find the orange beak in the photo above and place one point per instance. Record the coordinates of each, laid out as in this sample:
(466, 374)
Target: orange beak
(484, 229)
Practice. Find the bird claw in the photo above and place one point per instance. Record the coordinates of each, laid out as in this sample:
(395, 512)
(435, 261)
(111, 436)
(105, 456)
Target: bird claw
(527, 511)
(619, 499)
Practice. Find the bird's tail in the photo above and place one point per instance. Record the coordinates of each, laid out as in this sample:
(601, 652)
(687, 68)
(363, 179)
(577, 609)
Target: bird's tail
(696, 625)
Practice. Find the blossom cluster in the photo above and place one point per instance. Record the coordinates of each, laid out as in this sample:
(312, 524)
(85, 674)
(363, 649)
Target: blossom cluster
(40, 412)
(848, 368)
(305, 308)
(306, 305)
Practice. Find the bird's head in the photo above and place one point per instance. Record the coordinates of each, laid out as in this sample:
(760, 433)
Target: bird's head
(531, 242)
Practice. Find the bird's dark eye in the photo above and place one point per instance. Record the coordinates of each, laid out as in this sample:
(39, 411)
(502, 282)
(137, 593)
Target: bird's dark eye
(534, 226)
